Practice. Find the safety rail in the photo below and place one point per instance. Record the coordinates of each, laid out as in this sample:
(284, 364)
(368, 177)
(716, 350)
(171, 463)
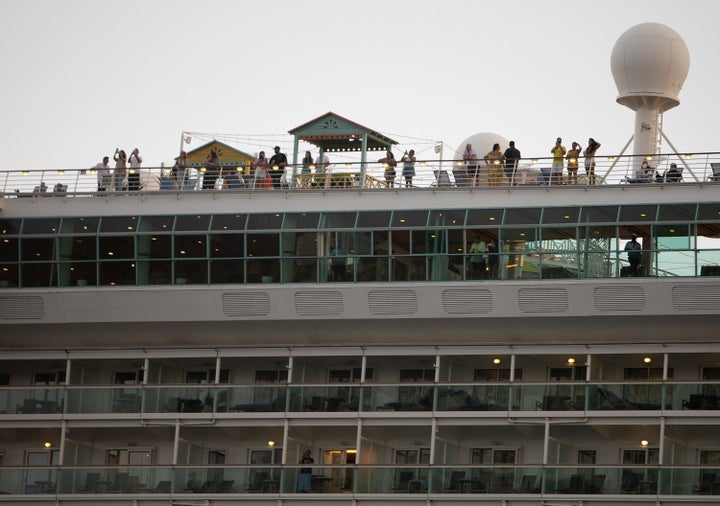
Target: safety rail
(530, 172)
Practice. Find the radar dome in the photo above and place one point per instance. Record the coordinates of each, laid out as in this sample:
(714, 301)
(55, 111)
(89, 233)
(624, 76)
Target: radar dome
(649, 62)
(482, 143)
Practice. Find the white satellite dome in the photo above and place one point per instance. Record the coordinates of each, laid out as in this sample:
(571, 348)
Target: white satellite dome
(649, 63)
(482, 143)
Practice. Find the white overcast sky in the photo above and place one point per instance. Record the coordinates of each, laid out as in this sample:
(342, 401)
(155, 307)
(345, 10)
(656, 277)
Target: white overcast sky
(81, 77)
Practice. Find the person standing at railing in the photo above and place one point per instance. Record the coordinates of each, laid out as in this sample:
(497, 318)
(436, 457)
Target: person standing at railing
(408, 172)
(634, 254)
(261, 179)
(478, 264)
(120, 169)
(389, 163)
(512, 158)
(305, 475)
(278, 162)
(494, 160)
(179, 170)
(103, 171)
(590, 151)
(471, 166)
(493, 259)
(558, 151)
(572, 157)
(212, 171)
(307, 162)
(134, 172)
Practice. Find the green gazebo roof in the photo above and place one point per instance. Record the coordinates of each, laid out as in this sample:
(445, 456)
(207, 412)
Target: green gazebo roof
(331, 132)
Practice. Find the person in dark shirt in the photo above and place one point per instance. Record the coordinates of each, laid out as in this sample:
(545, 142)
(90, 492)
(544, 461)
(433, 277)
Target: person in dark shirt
(305, 477)
(634, 253)
(278, 162)
(512, 157)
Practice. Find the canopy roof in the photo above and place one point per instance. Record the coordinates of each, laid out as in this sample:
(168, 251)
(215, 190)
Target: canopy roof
(331, 132)
(227, 155)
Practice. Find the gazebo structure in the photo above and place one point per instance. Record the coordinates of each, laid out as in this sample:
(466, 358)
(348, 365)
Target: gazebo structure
(333, 133)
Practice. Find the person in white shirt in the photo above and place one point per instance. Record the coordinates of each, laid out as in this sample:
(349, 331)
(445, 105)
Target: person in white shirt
(134, 172)
(103, 170)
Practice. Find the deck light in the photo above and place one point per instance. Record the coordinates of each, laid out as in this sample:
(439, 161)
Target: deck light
(644, 442)
(47, 444)
(271, 443)
(496, 361)
(571, 361)
(647, 360)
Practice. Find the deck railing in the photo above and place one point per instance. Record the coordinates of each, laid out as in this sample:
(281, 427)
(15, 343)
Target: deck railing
(210, 400)
(563, 481)
(529, 172)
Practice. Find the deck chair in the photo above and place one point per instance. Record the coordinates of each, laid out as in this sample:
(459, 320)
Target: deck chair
(527, 484)
(163, 487)
(629, 481)
(442, 179)
(483, 482)
(90, 485)
(455, 478)
(256, 480)
(577, 484)
(716, 172)
(403, 481)
(461, 176)
(119, 483)
(706, 483)
(225, 486)
(597, 482)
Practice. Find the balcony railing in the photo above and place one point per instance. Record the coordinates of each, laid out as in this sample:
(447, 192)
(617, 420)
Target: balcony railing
(610, 170)
(501, 480)
(324, 398)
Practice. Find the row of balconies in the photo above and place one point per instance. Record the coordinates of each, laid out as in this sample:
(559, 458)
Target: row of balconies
(274, 397)
(362, 479)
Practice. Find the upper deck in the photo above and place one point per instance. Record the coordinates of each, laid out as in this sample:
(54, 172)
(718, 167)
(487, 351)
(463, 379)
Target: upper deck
(328, 254)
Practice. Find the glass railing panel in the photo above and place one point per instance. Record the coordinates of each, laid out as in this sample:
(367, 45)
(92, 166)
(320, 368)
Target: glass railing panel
(35, 400)
(597, 480)
(629, 396)
(115, 480)
(28, 480)
(327, 398)
(689, 481)
(225, 480)
(180, 399)
(93, 400)
(472, 397)
(267, 397)
(705, 395)
(410, 397)
(550, 396)
(392, 480)
(319, 479)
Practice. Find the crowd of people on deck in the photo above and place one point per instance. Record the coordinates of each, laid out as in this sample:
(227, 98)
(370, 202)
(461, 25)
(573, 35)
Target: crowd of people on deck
(496, 168)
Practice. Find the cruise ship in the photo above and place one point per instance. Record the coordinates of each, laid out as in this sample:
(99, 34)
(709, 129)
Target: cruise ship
(334, 341)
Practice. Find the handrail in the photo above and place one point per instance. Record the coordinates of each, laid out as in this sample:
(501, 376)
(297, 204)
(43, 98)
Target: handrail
(530, 172)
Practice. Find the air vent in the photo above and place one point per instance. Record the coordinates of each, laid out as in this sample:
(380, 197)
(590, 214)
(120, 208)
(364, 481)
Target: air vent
(246, 304)
(392, 302)
(22, 307)
(696, 297)
(543, 300)
(318, 303)
(620, 298)
(467, 301)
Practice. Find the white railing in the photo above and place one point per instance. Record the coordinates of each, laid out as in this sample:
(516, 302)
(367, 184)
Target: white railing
(611, 170)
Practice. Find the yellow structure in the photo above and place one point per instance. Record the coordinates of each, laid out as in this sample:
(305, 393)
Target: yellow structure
(228, 156)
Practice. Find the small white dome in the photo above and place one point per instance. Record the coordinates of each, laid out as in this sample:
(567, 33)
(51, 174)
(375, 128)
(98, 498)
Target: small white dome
(649, 62)
(482, 143)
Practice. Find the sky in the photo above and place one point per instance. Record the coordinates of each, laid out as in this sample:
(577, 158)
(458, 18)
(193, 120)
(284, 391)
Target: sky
(82, 77)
